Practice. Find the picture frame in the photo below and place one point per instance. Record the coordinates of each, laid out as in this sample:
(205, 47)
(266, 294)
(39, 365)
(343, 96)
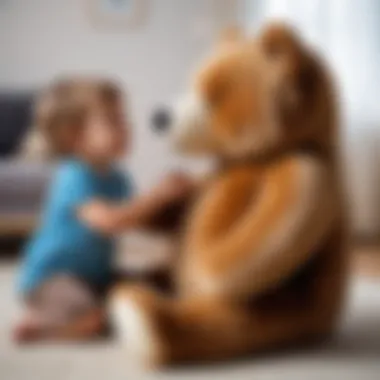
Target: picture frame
(117, 14)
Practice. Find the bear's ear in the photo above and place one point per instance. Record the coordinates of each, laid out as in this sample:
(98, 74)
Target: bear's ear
(286, 57)
(230, 36)
(280, 41)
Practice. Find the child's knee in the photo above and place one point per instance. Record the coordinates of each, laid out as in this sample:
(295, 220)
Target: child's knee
(65, 297)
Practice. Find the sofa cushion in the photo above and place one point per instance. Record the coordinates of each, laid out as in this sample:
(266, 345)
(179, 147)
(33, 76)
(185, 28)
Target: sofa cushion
(15, 119)
(23, 187)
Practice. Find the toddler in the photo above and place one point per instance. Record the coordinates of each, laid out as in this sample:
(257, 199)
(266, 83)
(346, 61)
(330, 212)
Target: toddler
(68, 262)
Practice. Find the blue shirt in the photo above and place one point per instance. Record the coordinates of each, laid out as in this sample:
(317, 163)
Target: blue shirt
(63, 244)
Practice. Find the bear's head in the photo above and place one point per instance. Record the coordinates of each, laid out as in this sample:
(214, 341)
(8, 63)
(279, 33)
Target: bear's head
(257, 96)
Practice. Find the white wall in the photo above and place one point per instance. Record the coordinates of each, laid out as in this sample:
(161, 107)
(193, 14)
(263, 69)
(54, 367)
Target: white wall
(42, 38)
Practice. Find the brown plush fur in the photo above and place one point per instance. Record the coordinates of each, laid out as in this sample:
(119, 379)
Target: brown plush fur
(263, 257)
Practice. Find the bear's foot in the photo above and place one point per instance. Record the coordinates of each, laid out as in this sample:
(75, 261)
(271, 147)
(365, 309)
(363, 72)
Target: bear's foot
(134, 314)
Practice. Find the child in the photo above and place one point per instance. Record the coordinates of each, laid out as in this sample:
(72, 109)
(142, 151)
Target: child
(67, 263)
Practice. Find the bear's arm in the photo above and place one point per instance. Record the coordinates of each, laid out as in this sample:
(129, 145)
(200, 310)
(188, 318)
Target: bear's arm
(277, 234)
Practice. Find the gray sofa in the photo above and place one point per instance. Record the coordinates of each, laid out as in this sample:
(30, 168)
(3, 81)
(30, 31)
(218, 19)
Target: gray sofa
(23, 183)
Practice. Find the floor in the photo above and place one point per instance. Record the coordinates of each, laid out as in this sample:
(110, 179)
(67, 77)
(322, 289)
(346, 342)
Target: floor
(354, 353)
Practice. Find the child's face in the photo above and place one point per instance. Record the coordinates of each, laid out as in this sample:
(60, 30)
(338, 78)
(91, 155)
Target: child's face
(106, 134)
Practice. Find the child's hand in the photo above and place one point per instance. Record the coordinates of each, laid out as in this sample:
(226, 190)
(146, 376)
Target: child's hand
(174, 186)
(98, 216)
(110, 219)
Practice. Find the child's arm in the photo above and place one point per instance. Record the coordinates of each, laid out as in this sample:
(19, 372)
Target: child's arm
(114, 218)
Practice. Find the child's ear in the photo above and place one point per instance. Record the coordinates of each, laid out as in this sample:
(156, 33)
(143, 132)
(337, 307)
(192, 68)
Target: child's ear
(230, 36)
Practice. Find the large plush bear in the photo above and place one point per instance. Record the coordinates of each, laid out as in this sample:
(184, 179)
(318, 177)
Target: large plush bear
(262, 259)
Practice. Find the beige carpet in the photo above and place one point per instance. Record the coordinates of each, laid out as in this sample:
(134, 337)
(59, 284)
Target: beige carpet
(354, 355)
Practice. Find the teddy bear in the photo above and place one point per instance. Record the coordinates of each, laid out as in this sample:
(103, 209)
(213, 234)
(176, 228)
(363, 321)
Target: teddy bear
(262, 257)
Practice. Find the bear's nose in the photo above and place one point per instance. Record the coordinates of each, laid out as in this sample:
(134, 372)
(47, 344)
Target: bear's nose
(162, 119)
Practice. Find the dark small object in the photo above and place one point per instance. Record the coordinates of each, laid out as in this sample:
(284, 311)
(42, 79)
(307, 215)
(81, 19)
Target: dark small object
(171, 218)
(16, 109)
(161, 119)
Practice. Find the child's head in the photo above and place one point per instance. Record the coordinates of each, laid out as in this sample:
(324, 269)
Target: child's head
(83, 118)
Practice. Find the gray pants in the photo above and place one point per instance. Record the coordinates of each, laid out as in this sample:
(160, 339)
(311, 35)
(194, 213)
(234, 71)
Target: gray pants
(61, 300)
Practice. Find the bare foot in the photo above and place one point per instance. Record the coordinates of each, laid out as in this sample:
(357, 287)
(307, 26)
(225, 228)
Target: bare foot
(27, 332)
(86, 327)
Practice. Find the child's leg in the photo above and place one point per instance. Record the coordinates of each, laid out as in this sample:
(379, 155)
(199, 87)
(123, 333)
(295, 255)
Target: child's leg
(63, 308)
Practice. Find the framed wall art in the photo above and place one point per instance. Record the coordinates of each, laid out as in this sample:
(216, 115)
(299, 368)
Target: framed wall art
(117, 14)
